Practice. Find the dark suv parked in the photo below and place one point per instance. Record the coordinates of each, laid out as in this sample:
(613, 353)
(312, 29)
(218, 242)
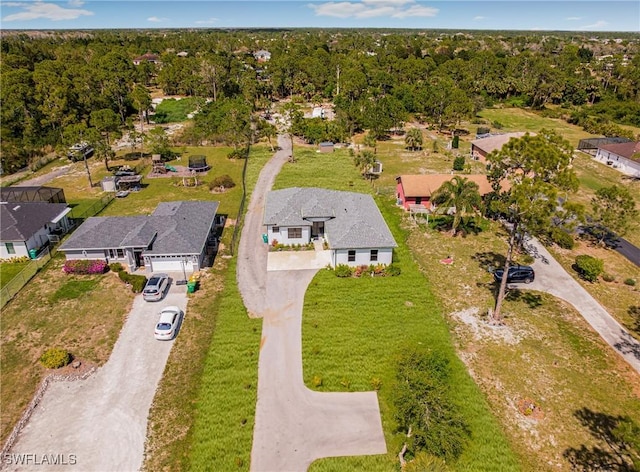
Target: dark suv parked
(517, 274)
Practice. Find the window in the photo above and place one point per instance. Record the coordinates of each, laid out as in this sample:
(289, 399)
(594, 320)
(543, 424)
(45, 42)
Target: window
(275, 229)
(418, 200)
(120, 253)
(295, 233)
(374, 255)
(351, 256)
(10, 248)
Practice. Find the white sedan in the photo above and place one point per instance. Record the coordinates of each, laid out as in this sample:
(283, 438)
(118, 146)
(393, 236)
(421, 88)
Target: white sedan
(167, 325)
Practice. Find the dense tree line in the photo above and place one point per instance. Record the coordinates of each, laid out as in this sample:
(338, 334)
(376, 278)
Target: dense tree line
(376, 79)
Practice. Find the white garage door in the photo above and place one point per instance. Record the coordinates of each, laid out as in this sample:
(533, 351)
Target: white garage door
(170, 266)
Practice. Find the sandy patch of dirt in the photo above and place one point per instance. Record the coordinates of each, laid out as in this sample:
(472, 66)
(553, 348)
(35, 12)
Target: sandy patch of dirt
(482, 331)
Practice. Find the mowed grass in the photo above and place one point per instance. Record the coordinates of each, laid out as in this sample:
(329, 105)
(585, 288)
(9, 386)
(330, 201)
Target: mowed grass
(82, 314)
(8, 270)
(353, 330)
(546, 352)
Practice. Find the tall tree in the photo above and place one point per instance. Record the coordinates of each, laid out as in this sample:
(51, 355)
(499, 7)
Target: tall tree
(142, 101)
(527, 174)
(614, 209)
(413, 139)
(462, 195)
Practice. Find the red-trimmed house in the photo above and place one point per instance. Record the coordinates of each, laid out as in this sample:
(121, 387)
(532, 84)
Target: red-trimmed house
(415, 191)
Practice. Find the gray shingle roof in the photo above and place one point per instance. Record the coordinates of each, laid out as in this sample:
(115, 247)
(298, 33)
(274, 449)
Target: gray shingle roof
(178, 228)
(354, 219)
(20, 221)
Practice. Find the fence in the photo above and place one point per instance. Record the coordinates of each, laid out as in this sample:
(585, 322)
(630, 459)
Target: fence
(20, 280)
(94, 209)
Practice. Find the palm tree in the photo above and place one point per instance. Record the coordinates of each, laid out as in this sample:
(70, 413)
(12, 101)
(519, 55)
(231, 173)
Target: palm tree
(462, 195)
(413, 139)
(364, 161)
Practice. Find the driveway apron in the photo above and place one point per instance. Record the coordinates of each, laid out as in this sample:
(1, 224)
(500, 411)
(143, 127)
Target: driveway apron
(102, 420)
(552, 278)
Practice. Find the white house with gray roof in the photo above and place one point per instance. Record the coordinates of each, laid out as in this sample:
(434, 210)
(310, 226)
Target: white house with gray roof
(177, 236)
(350, 223)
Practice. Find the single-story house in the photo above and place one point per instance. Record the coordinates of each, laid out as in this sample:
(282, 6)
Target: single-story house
(262, 55)
(17, 193)
(177, 236)
(28, 226)
(480, 148)
(623, 156)
(414, 191)
(148, 57)
(350, 223)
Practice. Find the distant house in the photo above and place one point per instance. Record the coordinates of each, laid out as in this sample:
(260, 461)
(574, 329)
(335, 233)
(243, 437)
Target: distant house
(415, 191)
(325, 146)
(25, 227)
(623, 156)
(182, 54)
(177, 236)
(148, 57)
(350, 223)
(318, 112)
(262, 55)
(480, 148)
(32, 194)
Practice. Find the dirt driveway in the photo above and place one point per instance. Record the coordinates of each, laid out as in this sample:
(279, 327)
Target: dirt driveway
(102, 421)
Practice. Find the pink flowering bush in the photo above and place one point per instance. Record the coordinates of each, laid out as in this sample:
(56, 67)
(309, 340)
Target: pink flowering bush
(85, 267)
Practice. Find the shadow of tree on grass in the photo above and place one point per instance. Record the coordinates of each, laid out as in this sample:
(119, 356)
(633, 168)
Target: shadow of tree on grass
(618, 448)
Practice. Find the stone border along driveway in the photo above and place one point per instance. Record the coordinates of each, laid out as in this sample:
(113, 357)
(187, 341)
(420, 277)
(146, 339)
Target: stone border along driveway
(294, 425)
(552, 278)
(101, 423)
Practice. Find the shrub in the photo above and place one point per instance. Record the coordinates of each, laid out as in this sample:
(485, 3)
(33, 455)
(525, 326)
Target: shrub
(458, 163)
(54, 358)
(376, 383)
(85, 267)
(238, 154)
(630, 282)
(137, 282)
(224, 181)
(608, 277)
(589, 267)
(361, 269)
(392, 270)
(562, 238)
(455, 142)
(343, 270)
(483, 130)
(116, 267)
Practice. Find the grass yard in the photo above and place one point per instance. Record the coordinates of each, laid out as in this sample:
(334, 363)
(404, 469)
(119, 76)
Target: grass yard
(8, 270)
(171, 110)
(546, 352)
(354, 328)
(56, 310)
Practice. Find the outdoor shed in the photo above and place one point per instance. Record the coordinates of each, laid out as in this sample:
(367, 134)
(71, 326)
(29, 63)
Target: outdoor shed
(326, 146)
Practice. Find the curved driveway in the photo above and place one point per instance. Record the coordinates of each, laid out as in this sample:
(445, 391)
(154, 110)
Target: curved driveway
(294, 425)
(552, 278)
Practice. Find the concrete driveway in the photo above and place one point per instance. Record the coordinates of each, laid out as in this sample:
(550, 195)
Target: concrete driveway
(294, 425)
(102, 421)
(552, 278)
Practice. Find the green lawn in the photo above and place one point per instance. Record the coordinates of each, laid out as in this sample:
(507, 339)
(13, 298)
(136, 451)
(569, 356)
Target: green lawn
(8, 270)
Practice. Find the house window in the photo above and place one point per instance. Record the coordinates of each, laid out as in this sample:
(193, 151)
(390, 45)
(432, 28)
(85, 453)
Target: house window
(10, 248)
(351, 256)
(295, 233)
(275, 229)
(374, 255)
(120, 253)
(418, 200)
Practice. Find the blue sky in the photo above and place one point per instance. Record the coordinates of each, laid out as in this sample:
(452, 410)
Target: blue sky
(572, 15)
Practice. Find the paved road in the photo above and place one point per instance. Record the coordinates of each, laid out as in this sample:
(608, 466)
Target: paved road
(294, 425)
(552, 278)
(103, 419)
(628, 250)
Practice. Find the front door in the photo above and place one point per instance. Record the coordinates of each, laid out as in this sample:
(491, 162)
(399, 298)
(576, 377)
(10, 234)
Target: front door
(317, 229)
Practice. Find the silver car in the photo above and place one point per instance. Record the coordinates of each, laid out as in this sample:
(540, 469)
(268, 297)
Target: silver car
(167, 325)
(155, 288)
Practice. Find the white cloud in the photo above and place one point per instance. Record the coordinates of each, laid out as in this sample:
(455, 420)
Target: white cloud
(373, 9)
(574, 18)
(598, 24)
(49, 11)
(210, 21)
(479, 18)
(76, 3)
(155, 19)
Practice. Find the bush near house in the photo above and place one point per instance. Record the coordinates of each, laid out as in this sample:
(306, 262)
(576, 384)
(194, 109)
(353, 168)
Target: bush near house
(137, 282)
(589, 267)
(85, 267)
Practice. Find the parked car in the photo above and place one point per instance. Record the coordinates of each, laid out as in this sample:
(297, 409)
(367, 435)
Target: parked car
(517, 274)
(167, 325)
(155, 287)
